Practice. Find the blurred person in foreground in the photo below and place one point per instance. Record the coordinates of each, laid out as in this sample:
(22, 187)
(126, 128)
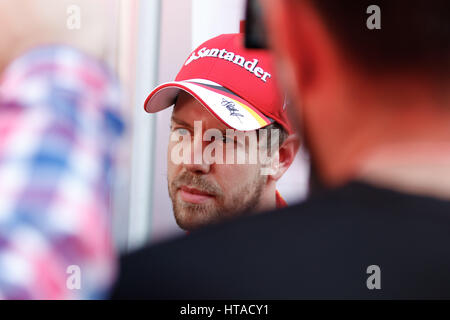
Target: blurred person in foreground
(374, 109)
(226, 100)
(59, 125)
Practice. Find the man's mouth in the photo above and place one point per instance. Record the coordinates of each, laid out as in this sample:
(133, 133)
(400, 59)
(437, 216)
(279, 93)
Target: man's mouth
(193, 195)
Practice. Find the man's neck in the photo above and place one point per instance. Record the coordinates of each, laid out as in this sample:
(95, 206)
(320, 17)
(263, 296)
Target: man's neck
(398, 138)
(421, 169)
(268, 199)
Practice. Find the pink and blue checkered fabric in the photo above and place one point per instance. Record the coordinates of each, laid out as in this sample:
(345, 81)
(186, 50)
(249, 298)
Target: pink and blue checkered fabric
(59, 128)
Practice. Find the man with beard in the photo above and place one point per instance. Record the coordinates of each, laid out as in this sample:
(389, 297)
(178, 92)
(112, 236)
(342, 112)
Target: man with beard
(224, 97)
(374, 109)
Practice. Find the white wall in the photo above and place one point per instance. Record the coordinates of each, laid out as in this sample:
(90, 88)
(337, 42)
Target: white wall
(143, 131)
(212, 18)
(175, 45)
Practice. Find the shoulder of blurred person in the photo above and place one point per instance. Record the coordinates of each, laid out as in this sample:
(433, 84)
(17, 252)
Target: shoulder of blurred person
(326, 248)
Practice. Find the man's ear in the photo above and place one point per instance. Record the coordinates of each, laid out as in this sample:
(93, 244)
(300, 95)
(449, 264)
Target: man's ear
(283, 158)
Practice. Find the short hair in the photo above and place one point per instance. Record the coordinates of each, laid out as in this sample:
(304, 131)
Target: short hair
(282, 133)
(414, 34)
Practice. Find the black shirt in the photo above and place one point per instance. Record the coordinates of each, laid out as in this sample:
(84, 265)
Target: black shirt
(321, 248)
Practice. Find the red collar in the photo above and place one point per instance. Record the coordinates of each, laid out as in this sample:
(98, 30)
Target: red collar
(281, 203)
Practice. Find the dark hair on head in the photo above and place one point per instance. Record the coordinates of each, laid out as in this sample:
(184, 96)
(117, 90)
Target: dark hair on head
(282, 133)
(414, 34)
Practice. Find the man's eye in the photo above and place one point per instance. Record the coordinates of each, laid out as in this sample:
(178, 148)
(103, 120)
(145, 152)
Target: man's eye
(181, 131)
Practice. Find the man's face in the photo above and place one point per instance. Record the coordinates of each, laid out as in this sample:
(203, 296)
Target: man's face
(206, 193)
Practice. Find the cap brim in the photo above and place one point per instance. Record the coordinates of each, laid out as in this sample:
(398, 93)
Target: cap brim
(225, 105)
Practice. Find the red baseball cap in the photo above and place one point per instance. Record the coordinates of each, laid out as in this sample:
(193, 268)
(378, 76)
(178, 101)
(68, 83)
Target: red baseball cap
(237, 85)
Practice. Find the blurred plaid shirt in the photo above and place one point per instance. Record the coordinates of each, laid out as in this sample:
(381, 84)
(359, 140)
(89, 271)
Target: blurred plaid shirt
(59, 126)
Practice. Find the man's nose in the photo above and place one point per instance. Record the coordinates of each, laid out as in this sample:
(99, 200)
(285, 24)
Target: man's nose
(197, 163)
